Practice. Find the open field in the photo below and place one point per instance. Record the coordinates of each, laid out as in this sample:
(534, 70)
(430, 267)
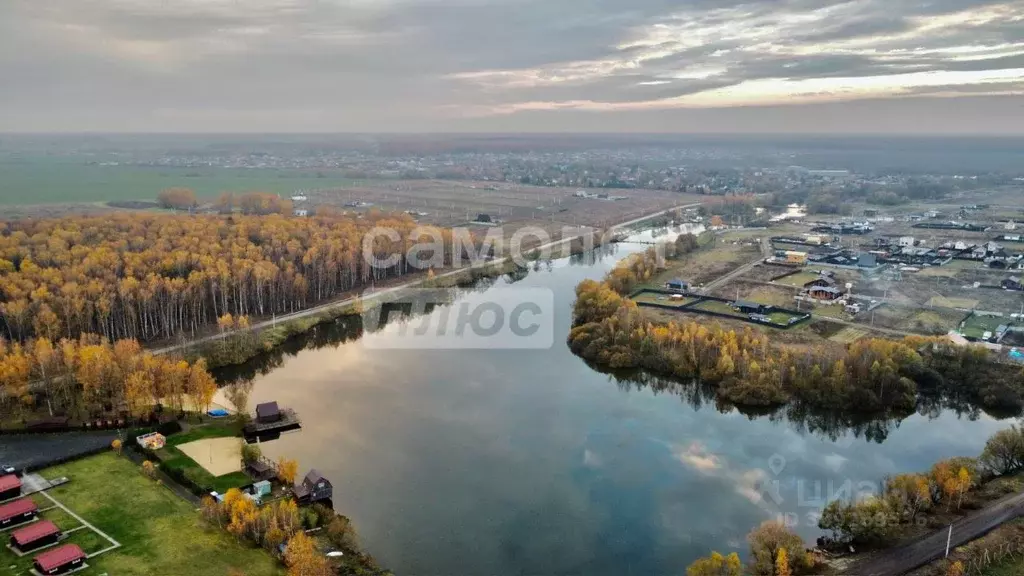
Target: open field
(662, 299)
(952, 302)
(218, 456)
(58, 180)
(708, 263)
(173, 458)
(797, 280)
(159, 533)
(719, 307)
(849, 334)
(977, 325)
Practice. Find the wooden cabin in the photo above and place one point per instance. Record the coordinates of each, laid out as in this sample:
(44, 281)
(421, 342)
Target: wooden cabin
(17, 512)
(10, 487)
(314, 488)
(35, 535)
(267, 413)
(60, 560)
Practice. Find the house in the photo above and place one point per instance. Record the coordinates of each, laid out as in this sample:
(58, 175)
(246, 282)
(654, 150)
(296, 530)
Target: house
(821, 281)
(260, 470)
(867, 260)
(853, 308)
(1012, 283)
(10, 487)
(906, 241)
(314, 488)
(267, 413)
(35, 535)
(677, 285)
(303, 212)
(17, 512)
(828, 293)
(60, 560)
(749, 307)
(794, 257)
(961, 245)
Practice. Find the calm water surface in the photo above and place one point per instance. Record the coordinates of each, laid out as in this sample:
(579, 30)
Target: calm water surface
(506, 462)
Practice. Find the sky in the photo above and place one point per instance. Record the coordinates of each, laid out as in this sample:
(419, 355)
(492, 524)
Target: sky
(733, 66)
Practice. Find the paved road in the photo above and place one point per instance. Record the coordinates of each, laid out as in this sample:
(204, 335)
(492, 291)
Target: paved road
(933, 546)
(35, 451)
(348, 302)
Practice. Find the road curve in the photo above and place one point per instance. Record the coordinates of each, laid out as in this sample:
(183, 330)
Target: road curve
(932, 546)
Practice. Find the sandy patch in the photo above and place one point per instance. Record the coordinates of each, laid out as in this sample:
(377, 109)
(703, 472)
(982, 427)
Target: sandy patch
(219, 456)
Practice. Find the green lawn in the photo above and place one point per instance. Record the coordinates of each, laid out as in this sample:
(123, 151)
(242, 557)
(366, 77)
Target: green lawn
(720, 307)
(160, 533)
(42, 180)
(173, 459)
(662, 299)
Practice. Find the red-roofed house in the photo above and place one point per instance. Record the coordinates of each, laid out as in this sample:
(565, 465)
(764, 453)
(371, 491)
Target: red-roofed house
(35, 535)
(17, 512)
(60, 560)
(10, 487)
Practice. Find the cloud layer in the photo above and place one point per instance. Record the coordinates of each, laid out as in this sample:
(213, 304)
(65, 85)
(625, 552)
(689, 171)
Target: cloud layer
(365, 65)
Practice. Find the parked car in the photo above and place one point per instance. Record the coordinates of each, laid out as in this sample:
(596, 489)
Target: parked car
(7, 469)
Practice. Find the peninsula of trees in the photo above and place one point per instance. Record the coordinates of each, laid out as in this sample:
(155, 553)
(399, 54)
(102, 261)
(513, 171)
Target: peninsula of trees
(871, 375)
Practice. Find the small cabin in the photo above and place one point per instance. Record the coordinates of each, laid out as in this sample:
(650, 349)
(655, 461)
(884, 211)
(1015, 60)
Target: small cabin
(677, 285)
(61, 560)
(10, 487)
(259, 470)
(822, 281)
(267, 413)
(17, 512)
(748, 307)
(1012, 283)
(314, 488)
(35, 535)
(827, 293)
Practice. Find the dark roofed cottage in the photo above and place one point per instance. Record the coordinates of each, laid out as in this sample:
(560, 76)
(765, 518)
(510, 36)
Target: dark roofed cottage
(267, 412)
(314, 488)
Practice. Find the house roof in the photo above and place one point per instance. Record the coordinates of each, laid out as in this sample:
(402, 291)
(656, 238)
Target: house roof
(300, 490)
(314, 477)
(9, 482)
(258, 466)
(59, 556)
(1014, 279)
(34, 532)
(16, 508)
(677, 281)
(267, 409)
(829, 289)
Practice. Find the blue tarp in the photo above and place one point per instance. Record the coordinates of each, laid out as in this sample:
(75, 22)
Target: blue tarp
(218, 412)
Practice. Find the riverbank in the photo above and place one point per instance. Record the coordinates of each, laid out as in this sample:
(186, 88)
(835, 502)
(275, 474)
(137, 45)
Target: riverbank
(236, 347)
(868, 376)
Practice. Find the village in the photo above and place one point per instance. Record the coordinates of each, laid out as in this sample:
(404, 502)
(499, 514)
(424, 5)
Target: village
(886, 274)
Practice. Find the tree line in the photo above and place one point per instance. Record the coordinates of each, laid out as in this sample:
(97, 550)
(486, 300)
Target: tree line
(149, 276)
(871, 375)
(775, 550)
(91, 376)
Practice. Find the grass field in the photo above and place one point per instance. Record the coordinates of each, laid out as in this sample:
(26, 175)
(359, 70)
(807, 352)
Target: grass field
(976, 325)
(175, 459)
(719, 307)
(661, 299)
(849, 334)
(797, 280)
(159, 532)
(952, 302)
(55, 180)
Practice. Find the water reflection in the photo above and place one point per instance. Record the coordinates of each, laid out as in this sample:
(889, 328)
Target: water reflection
(509, 462)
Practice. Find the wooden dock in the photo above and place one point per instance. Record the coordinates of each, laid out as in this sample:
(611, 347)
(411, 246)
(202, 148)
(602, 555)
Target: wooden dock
(289, 421)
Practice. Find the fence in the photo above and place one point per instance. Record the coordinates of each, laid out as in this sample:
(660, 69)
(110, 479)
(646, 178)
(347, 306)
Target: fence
(800, 317)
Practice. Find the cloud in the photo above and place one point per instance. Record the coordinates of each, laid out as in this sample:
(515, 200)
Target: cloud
(435, 64)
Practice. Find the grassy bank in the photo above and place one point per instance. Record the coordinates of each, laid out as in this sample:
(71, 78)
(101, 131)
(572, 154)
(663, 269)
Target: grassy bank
(175, 462)
(159, 533)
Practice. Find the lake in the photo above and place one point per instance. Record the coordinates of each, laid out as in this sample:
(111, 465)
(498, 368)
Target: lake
(513, 462)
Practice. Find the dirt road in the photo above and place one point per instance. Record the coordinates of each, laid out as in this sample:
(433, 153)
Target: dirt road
(933, 546)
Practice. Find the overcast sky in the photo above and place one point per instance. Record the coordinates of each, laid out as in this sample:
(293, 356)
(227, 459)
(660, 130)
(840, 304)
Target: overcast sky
(512, 65)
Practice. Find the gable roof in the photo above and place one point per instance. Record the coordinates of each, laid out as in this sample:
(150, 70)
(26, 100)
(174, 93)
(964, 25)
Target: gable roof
(9, 482)
(17, 508)
(829, 289)
(34, 532)
(314, 477)
(58, 557)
